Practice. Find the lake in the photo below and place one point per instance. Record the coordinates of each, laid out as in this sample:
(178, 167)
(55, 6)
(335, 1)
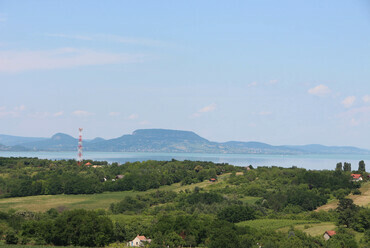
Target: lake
(311, 161)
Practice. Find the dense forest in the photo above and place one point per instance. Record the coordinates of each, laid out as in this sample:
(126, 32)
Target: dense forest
(214, 205)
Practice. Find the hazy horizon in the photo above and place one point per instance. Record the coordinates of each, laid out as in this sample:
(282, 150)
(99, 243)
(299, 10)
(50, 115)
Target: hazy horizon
(277, 72)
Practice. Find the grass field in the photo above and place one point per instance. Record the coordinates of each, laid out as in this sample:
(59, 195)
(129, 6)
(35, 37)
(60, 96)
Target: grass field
(274, 224)
(43, 203)
(361, 200)
(313, 229)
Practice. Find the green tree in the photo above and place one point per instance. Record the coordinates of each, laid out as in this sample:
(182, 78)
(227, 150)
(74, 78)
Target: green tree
(236, 213)
(339, 166)
(82, 228)
(347, 211)
(347, 166)
(361, 166)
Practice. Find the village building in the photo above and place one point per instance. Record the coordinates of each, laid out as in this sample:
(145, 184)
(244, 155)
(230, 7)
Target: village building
(356, 177)
(329, 234)
(139, 241)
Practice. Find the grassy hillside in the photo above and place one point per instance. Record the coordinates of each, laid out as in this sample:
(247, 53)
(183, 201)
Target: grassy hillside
(94, 201)
(360, 200)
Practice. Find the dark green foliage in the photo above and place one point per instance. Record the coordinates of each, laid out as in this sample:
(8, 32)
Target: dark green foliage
(361, 166)
(32, 176)
(11, 238)
(339, 166)
(223, 234)
(82, 228)
(127, 204)
(347, 212)
(205, 198)
(347, 166)
(236, 213)
(342, 239)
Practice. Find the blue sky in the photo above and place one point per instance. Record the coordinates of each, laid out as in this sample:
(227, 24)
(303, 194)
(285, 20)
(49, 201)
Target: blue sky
(281, 72)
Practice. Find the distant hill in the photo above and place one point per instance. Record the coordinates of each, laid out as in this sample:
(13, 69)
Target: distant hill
(58, 142)
(12, 148)
(10, 140)
(164, 140)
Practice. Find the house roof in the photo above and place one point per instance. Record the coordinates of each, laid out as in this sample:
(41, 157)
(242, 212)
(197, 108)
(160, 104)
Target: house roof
(356, 176)
(88, 163)
(331, 233)
(141, 237)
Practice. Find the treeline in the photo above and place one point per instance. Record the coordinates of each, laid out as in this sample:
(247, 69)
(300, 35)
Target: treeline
(31, 176)
(291, 190)
(173, 229)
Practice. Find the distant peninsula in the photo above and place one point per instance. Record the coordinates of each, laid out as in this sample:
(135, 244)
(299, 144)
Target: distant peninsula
(165, 140)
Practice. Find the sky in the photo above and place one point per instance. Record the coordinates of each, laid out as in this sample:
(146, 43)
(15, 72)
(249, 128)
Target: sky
(281, 72)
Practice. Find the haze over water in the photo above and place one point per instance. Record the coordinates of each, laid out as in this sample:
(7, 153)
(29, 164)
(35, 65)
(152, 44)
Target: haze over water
(312, 162)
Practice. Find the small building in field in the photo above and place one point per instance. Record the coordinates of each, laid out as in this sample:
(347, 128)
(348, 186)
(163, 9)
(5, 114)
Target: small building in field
(212, 180)
(356, 177)
(139, 241)
(329, 234)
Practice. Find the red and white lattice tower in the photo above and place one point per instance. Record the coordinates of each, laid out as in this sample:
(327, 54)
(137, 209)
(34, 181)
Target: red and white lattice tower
(79, 159)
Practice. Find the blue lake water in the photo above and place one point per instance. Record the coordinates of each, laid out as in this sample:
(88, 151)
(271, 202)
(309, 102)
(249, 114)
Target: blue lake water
(313, 162)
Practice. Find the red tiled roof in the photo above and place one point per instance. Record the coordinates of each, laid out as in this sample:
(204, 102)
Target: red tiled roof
(88, 163)
(141, 237)
(331, 233)
(356, 176)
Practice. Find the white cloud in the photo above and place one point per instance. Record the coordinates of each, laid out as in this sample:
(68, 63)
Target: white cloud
(11, 113)
(208, 108)
(82, 113)
(203, 110)
(356, 116)
(16, 61)
(349, 101)
(114, 113)
(366, 98)
(252, 84)
(60, 113)
(320, 90)
(133, 117)
(265, 113)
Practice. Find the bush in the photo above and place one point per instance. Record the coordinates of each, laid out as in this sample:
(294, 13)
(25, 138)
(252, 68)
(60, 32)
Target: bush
(236, 213)
(11, 238)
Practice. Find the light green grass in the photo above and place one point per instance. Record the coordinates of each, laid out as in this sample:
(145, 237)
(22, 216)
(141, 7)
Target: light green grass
(43, 203)
(273, 224)
(124, 218)
(314, 229)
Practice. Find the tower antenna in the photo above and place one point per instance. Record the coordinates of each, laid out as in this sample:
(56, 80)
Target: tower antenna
(79, 148)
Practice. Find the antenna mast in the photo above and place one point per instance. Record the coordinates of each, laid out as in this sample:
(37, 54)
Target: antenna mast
(79, 160)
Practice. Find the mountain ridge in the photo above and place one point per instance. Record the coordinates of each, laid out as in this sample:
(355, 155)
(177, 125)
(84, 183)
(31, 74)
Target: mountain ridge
(167, 140)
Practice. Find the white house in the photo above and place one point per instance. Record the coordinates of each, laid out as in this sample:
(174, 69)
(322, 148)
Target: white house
(329, 234)
(356, 177)
(139, 241)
